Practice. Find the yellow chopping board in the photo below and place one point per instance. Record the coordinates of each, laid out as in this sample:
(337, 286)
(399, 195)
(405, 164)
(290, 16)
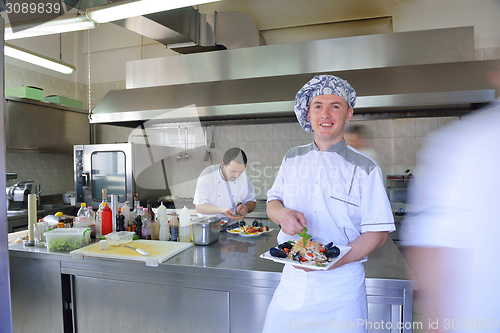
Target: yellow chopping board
(159, 251)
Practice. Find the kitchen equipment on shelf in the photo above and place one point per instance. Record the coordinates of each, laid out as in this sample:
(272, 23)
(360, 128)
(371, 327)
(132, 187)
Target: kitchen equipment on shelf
(206, 230)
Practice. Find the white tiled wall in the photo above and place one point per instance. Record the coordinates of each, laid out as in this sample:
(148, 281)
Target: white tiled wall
(396, 142)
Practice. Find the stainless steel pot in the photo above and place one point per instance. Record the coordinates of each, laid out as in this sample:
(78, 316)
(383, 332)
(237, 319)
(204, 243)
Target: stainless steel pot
(206, 230)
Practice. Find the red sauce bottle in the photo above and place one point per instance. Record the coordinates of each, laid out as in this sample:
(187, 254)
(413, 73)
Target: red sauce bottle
(107, 221)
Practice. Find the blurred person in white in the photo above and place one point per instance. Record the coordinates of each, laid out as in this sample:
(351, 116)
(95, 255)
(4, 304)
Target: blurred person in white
(339, 195)
(357, 137)
(454, 235)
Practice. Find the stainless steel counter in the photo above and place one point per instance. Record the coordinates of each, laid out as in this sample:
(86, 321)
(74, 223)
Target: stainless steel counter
(227, 273)
(17, 220)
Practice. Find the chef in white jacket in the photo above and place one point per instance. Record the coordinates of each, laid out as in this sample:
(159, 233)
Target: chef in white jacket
(338, 194)
(225, 189)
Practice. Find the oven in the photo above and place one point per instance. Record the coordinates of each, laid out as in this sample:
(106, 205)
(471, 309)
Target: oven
(124, 169)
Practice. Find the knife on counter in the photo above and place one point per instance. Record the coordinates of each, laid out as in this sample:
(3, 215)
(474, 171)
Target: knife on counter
(140, 251)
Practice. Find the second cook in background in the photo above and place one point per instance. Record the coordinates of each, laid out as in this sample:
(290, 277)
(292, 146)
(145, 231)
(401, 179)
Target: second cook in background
(225, 189)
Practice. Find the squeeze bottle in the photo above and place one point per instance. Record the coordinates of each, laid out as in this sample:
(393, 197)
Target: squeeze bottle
(184, 221)
(126, 214)
(107, 220)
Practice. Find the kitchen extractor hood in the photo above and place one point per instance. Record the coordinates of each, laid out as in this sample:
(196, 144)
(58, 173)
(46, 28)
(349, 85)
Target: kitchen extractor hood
(421, 71)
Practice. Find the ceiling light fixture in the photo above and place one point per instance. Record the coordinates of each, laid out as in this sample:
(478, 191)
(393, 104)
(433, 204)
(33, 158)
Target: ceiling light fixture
(37, 59)
(96, 15)
(65, 23)
(130, 8)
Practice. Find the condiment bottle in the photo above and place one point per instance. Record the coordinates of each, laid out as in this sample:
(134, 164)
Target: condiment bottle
(91, 220)
(164, 228)
(137, 204)
(150, 210)
(120, 223)
(162, 218)
(126, 214)
(98, 218)
(146, 231)
(184, 225)
(174, 229)
(161, 211)
(138, 226)
(107, 220)
(83, 211)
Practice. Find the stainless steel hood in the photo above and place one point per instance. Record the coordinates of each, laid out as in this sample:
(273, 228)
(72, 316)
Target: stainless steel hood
(186, 30)
(393, 74)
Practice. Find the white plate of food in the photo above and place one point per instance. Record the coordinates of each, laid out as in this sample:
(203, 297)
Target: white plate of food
(313, 256)
(246, 231)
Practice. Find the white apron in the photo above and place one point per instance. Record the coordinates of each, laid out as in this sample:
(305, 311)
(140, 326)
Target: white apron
(319, 301)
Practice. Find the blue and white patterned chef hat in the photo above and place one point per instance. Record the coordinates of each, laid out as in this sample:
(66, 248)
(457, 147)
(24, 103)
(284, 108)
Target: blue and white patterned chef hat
(321, 85)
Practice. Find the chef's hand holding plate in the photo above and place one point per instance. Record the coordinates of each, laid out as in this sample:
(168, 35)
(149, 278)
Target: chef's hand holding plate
(292, 221)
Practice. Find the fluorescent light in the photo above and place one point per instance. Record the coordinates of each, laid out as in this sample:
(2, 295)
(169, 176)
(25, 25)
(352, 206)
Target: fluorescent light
(65, 23)
(129, 8)
(37, 59)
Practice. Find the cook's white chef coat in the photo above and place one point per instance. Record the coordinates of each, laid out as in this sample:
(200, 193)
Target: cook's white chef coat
(211, 188)
(455, 207)
(341, 194)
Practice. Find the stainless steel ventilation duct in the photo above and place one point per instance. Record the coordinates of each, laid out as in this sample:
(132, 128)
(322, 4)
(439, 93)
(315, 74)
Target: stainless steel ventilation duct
(185, 30)
(393, 74)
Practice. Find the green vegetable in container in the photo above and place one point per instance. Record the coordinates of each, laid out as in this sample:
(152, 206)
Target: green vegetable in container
(65, 244)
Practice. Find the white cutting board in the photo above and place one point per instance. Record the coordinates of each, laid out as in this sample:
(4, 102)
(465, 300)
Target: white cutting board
(159, 251)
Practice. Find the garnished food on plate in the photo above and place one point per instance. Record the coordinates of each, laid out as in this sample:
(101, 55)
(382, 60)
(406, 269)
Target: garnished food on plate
(247, 230)
(306, 251)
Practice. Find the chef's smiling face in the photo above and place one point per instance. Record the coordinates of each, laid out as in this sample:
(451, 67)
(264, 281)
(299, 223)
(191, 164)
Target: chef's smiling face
(328, 115)
(232, 171)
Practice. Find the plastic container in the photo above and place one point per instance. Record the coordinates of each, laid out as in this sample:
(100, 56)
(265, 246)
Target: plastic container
(119, 238)
(67, 239)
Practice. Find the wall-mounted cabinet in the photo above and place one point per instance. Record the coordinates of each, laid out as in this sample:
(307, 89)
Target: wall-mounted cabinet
(32, 125)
